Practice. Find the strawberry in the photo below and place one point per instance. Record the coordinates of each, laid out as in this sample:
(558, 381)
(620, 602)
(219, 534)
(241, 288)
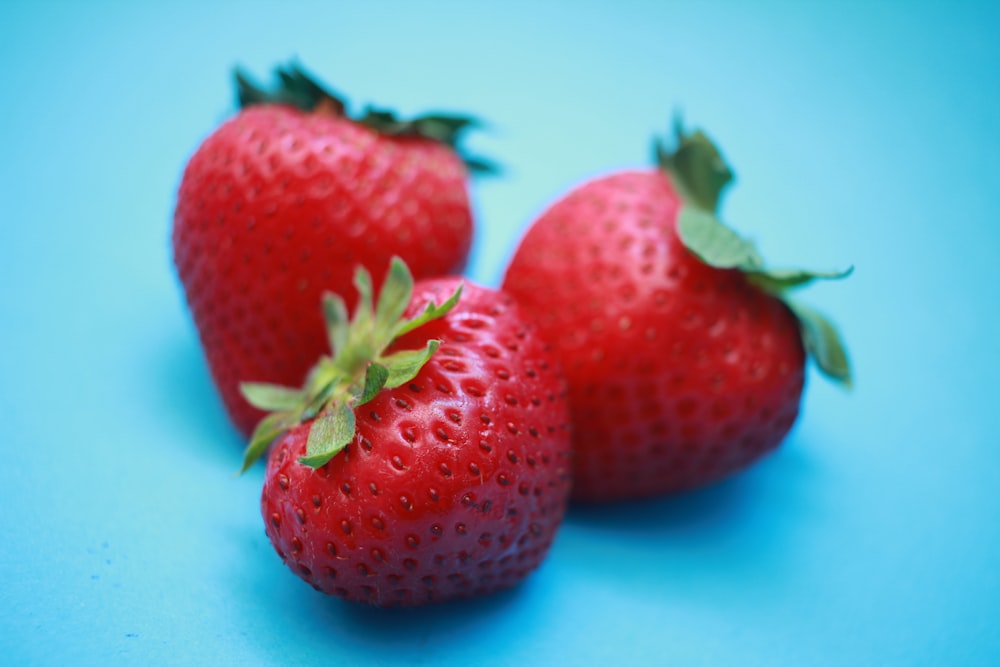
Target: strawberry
(421, 470)
(684, 355)
(281, 202)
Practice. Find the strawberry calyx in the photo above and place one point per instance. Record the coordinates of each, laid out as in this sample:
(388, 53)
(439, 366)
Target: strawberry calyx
(700, 175)
(359, 368)
(297, 88)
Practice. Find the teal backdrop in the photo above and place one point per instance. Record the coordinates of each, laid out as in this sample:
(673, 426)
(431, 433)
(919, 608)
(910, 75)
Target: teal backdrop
(862, 133)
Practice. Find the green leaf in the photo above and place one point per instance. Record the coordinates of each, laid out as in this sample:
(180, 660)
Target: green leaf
(443, 128)
(481, 166)
(823, 343)
(328, 435)
(320, 395)
(271, 397)
(269, 428)
(403, 366)
(778, 281)
(376, 376)
(716, 244)
(337, 323)
(696, 167)
(363, 283)
(431, 312)
(393, 299)
(360, 346)
(295, 87)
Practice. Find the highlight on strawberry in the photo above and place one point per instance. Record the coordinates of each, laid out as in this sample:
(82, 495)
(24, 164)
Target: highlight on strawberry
(428, 457)
(280, 202)
(684, 352)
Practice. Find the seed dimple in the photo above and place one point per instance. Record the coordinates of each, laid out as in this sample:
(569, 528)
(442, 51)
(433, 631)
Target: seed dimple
(410, 564)
(317, 501)
(512, 428)
(409, 434)
(441, 434)
(378, 523)
(524, 488)
(402, 403)
(397, 462)
(373, 488)
(461, 529)
(455, 417)
(445, 470)
(511, 399)
(331, 549)
(433, 494)
(512, 456)
(503, 374)
(503, 479)
(346, 488)
(296, 545)
(686, 407)
(377, 555)
(345, 526)
(412, 541)
(437, 530)
(474, 469)
(275, 519)
(283, 482)
(300, 514)
(485, 418)
(406, 503)
(473, 389)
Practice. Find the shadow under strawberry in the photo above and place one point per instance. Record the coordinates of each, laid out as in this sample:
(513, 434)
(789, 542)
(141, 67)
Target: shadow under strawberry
(732, 504)
(187, 400)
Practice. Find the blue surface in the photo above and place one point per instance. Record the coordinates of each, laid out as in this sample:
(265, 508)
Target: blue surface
(862, 133)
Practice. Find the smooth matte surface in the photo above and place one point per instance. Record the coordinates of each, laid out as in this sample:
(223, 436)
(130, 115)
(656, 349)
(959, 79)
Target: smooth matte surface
(862, 133)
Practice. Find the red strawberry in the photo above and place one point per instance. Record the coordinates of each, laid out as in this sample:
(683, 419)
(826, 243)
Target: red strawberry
(684, 355)
(282, 202)
(450, 482)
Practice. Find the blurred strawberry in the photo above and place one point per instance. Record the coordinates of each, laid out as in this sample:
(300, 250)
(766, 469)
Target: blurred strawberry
(281, 202)
(684, 354)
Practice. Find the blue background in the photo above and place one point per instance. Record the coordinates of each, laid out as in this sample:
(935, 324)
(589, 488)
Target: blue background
(862, 133)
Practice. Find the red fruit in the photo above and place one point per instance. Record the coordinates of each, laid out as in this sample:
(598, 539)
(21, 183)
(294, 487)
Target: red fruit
(684, 356)
(450, 484)
(282, 201)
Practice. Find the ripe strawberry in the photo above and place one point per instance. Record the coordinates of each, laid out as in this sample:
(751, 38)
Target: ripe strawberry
(283, 200)
(683, 353)
(450, 482)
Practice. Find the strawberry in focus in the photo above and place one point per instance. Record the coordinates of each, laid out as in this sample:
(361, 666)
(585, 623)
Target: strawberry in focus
(430, 468)
(685, 356)
(281, 202)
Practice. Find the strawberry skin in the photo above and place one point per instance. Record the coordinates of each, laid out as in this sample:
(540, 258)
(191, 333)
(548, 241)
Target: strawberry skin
(679, 373)
(453, 484)
(279, 205)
